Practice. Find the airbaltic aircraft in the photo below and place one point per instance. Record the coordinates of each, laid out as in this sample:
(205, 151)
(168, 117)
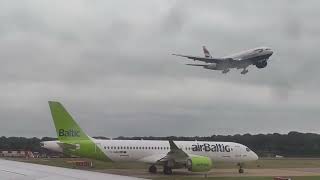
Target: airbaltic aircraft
(196, 156)
(257, 56)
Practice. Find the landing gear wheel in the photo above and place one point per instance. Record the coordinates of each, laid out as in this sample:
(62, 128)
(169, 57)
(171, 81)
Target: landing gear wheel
(240, 168)
(153, 169)
(245, 71)
(167, 170)
(241, 171)
(225, 71)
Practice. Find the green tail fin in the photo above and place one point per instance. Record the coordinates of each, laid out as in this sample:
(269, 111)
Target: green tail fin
(67, 129)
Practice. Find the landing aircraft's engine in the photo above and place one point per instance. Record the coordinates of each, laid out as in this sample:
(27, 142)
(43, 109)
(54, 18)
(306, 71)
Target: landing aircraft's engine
(262, 64)
(199, 164)
(211, 66)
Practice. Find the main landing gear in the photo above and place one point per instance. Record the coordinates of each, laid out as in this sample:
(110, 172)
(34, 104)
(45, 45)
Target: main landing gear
(153, 169)
(241, 170)
(245, 71)
(225, 71)
(167, 170)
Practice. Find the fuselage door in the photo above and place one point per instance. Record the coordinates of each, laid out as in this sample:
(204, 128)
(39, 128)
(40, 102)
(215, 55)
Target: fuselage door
(237, 152)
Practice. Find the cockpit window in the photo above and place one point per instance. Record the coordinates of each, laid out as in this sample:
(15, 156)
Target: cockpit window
(268, 49)
(258, 50)
(248, 150)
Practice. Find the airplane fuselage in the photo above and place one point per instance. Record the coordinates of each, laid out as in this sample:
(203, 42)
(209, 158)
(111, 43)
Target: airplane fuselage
(150, 150)
(244, 59)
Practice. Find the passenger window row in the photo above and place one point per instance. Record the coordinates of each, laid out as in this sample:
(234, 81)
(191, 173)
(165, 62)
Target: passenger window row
(133, 147)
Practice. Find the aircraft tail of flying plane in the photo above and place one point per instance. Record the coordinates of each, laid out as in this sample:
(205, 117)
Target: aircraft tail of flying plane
(196, 156)
(206, 52)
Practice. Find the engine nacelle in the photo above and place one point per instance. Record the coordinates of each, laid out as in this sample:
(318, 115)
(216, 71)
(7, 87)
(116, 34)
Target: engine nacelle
(199, 164)
(211, 66)
(261, 64)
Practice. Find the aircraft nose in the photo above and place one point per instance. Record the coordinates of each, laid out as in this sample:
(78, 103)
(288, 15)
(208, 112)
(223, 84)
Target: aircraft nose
(254, 156)
(270, 51)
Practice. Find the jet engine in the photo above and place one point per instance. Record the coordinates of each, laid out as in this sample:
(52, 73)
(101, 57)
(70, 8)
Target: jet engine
(211, 66)
(199, 164)
(261, 64)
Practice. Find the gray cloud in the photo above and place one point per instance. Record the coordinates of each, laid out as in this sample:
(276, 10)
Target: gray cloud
(110, 64)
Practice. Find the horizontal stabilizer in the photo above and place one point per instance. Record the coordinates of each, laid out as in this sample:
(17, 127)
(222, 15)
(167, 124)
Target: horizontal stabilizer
(67, 146)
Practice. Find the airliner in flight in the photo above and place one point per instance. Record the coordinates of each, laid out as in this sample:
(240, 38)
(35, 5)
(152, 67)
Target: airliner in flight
(257, 56)
(196, 156)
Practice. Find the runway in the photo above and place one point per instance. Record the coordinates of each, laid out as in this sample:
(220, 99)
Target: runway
(288, 172)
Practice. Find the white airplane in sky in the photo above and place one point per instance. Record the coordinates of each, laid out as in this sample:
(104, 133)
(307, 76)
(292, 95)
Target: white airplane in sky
(257, 56)
(196, 156)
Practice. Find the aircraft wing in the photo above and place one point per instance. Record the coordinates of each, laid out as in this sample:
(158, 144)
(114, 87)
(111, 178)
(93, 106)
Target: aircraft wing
(28, 171)
(204, 59)
(175, 154)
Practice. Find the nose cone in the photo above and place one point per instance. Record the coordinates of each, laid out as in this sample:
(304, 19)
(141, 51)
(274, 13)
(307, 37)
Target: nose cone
(269, 51)
(254, 156)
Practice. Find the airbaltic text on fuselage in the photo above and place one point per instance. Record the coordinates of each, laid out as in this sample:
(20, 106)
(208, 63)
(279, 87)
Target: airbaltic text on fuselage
(211, 147)
(69, 133)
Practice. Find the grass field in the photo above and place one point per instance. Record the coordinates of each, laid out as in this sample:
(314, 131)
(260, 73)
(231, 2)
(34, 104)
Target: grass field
(140, 169)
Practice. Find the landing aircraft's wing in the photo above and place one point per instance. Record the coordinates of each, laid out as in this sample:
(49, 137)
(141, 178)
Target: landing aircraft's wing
(28, 171)
(204, 59)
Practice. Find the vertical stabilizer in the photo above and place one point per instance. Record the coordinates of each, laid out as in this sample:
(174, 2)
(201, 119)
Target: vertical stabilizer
(67, 129)
(206, 52)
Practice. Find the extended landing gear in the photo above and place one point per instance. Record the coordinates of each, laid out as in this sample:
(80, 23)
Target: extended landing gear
(153, 169)
(167, 170)
(245, 71)
(241, 170)
(225, 71)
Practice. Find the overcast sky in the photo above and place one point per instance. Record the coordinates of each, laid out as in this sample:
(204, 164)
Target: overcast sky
(109, 63)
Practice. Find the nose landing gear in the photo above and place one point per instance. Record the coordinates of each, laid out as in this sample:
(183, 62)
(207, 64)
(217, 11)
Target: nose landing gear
(241, 170)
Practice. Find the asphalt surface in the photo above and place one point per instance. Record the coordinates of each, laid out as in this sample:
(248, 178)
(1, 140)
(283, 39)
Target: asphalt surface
(221, 172)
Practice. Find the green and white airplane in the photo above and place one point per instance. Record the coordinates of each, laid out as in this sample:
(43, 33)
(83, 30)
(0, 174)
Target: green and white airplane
(196, 156)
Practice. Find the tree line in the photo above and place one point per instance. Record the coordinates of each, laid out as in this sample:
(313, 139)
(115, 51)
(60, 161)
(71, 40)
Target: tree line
(293, 144)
